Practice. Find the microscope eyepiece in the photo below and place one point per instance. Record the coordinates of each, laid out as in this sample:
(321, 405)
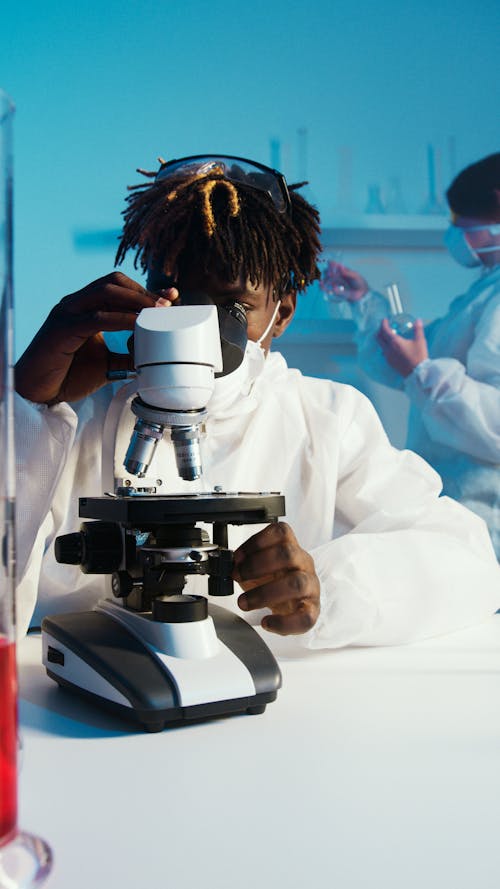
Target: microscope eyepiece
(233, 336)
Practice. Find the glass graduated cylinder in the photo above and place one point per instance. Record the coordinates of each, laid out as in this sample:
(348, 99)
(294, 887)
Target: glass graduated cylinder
(25, 860)
(8, 741)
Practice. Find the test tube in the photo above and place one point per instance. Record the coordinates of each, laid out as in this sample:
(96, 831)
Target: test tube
(394, 299)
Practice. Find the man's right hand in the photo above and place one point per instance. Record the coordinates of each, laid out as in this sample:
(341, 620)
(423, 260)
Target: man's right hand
(68, 358)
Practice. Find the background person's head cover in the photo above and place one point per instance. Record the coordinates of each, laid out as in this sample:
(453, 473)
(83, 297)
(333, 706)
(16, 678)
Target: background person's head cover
(228, 218)
(474, 201)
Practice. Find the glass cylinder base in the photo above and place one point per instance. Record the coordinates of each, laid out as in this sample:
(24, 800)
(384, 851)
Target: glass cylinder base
(25, 862)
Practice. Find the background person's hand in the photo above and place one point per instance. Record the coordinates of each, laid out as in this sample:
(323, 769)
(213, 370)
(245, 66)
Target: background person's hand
(402, 354)
(68, 358)
(345, 282)
(276, 573)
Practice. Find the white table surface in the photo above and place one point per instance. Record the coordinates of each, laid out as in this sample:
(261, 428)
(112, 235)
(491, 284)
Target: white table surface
(373, 768)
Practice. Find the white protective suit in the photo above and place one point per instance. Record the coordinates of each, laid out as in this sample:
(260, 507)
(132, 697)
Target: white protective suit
(396, 561)
(454, 395)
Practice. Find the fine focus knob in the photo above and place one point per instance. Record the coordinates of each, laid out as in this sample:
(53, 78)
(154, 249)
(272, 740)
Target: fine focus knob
(122, 584)
(179, 609)
(220, 582)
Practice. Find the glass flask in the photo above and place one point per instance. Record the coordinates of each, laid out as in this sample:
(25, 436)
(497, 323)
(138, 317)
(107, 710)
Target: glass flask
(399, 320)
(25, 860)
(332, 283)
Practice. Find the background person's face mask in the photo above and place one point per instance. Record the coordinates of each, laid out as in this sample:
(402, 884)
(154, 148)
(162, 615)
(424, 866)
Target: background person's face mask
(459, 248)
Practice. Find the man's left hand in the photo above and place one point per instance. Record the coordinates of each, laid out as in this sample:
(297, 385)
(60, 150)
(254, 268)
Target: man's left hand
(402, 354)
(276, 573)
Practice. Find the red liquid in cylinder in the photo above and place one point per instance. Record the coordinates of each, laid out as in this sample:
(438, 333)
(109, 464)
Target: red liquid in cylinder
(8, 741)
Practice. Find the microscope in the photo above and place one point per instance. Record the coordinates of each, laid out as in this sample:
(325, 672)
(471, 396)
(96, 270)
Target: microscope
(152, 652)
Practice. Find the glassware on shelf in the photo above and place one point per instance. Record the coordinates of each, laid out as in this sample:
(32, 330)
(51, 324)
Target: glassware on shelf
(433, 204)
(399, 320)
(374, 202)
(395, 202)
(25, 860)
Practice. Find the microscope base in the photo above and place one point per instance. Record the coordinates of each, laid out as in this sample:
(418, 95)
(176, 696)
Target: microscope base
(96, 656)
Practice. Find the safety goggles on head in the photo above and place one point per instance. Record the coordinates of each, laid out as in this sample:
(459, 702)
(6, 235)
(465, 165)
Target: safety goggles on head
(235, 169)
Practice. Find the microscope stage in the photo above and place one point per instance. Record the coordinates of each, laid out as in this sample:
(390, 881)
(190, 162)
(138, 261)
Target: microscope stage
(234, 509)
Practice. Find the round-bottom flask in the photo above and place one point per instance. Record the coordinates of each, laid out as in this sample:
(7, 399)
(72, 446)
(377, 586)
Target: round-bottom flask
(403, 324)
(332, 283)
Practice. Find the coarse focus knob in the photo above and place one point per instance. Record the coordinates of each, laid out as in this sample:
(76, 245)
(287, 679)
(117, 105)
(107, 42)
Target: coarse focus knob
(179, 609)
(97, 547)
(68, 548)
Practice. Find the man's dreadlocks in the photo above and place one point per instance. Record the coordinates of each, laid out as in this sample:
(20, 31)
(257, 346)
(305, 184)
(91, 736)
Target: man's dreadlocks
(208, 223)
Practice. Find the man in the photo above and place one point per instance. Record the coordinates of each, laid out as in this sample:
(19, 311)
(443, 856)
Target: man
(369, 554)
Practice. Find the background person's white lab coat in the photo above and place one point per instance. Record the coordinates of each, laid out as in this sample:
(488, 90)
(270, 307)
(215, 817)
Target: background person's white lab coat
(396, 561)
(454, 395)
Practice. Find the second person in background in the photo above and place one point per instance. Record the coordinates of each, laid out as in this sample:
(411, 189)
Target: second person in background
(450, 369)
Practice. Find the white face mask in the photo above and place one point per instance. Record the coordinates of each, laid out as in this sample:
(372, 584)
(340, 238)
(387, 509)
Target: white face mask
(231, 393)
(269, 326)
(460, 249)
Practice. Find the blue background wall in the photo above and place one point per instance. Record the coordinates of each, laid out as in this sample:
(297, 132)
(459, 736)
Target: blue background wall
(108, 87)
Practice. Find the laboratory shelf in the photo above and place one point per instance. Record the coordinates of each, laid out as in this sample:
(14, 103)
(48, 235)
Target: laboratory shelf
(416, 231)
